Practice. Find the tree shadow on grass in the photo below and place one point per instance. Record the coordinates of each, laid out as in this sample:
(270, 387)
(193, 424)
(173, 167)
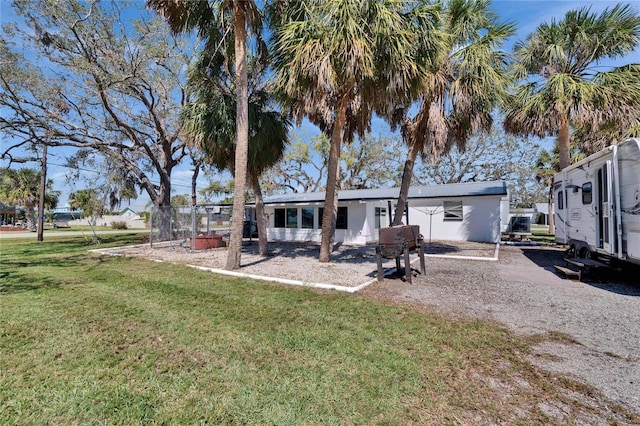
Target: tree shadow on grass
(19, 283)
(22, 276)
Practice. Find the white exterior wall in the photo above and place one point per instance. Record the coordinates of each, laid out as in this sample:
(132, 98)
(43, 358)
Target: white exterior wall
(481, 219)
(133, 221)
(356, 234)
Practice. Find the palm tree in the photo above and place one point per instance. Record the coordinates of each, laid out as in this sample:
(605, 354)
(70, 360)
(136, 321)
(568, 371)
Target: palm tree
(546, 169)
(548, 165)
(210, 123)
(334, 60)
(185, 15)
(464, 78)
(562, 89)
(22, 187)
(88, 201)
(617, 122)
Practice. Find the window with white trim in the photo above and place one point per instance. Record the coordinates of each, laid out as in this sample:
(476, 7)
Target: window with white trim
(380, 217)
(279, 218)
(307, 217)
(342, 217)
(292, 218)
(452, 210)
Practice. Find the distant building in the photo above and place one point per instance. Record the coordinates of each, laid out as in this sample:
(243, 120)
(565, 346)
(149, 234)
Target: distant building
(7, 214)
(129, 214)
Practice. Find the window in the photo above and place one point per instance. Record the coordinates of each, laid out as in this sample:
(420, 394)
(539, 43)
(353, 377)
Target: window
(587, 193)
(560, 200)
(381, 217)
(342, 219)
(307, 217)
(452, 210)
(292, 218)
(278, 218)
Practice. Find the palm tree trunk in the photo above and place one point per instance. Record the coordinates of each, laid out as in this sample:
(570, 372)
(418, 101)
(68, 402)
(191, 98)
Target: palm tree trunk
(260, 217)
(550, 219)
(30, 217)
(194, 182)
(242, 130)
(563, 145)
(331, 195)
(407, 175)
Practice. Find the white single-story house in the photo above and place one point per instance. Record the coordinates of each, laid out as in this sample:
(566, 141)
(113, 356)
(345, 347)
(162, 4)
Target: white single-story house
(127, 215)
(539, 213)
(543, 210)
(474, 211)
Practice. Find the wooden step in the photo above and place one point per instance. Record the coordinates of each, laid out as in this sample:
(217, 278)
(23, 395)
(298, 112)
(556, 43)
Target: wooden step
(584, 263)
(568, 272)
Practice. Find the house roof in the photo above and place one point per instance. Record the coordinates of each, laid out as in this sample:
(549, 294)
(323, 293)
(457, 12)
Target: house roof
(415, 192)
(6, 208)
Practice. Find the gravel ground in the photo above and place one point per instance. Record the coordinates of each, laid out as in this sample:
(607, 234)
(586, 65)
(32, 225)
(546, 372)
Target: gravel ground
(351, 266)
(600, 316)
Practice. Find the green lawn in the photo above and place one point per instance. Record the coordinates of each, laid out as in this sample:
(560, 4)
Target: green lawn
(86, 339)
(541, 235)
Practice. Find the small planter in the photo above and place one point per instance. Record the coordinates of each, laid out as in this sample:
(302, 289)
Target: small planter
(204, 242)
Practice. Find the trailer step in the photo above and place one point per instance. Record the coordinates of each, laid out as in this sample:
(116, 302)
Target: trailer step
(584, 263)
(568, 272)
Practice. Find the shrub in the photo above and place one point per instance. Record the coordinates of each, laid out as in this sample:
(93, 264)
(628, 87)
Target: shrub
(145, 217)
(119, 225)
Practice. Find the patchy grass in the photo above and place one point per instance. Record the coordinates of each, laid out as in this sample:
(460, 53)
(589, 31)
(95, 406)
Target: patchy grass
(540, 234)
(89, 339)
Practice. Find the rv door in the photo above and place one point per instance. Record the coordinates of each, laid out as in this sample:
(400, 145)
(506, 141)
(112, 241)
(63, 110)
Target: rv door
(605, 213)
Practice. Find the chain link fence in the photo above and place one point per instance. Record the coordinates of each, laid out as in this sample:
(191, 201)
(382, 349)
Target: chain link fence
(181, 226)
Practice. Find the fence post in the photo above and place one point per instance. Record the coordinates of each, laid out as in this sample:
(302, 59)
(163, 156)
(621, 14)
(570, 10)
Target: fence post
(151, 227)
(193, 228)
(170, 222)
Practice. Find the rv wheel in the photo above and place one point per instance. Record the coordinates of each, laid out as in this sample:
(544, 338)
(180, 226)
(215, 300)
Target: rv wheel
(585, 253)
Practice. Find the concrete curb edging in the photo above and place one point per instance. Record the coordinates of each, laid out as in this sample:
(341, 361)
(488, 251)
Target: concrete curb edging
(323, 286)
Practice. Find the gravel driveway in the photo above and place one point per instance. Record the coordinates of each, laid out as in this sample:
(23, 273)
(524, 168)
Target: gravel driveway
(601, 314)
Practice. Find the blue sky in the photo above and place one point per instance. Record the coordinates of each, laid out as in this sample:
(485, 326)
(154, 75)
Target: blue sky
(527, 14)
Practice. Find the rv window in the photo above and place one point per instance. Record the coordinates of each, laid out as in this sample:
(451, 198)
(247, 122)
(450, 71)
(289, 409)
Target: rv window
(452, 210)
(587, 193)
(560, 200)
(279, 218)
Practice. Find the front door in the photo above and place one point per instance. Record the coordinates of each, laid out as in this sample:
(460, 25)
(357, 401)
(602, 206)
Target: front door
(604, 214)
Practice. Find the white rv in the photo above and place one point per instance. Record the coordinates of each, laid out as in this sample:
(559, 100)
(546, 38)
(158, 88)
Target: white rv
(597, 204)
